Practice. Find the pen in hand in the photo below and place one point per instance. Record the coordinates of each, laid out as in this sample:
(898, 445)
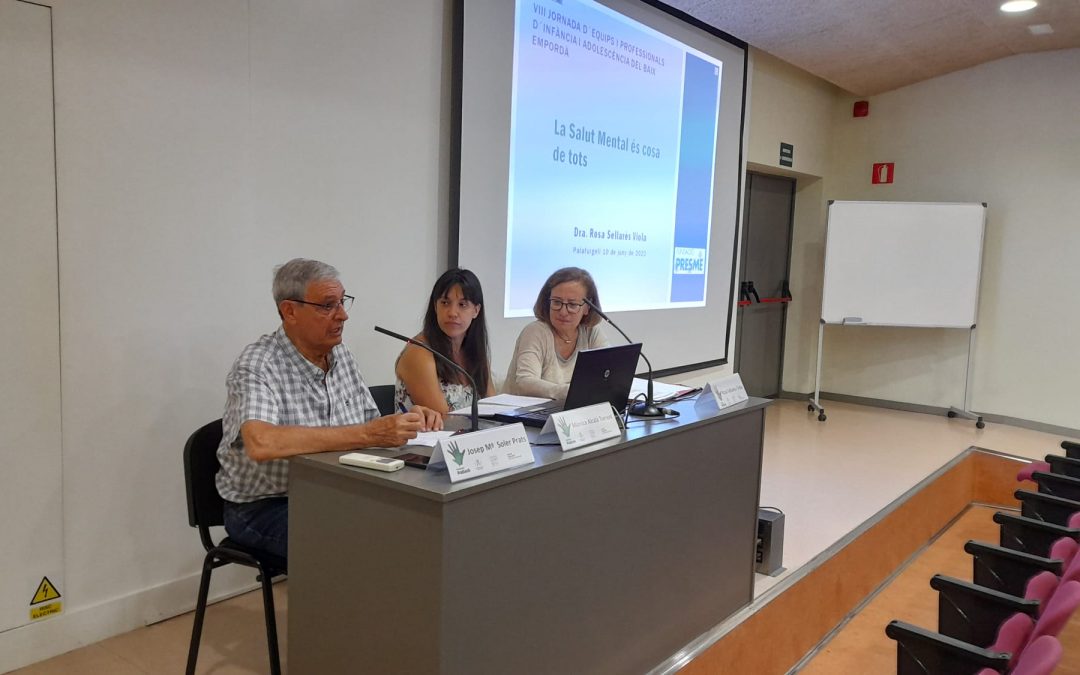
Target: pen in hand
(402, 409)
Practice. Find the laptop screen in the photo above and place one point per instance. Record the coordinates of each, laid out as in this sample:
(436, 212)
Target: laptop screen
(603, 374)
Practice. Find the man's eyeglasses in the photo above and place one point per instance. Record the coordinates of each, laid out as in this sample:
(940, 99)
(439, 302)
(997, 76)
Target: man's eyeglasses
(329, 307)
(572, 307)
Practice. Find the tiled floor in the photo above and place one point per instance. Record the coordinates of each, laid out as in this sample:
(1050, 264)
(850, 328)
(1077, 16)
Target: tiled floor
(827, 478)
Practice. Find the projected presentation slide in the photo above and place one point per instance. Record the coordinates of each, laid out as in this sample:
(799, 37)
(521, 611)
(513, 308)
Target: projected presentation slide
(612, 152)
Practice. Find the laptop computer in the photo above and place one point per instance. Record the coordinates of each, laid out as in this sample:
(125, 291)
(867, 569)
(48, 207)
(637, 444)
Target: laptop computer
(600, 375)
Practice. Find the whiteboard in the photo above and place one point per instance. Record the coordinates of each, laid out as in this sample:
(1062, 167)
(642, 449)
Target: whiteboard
(903, 264)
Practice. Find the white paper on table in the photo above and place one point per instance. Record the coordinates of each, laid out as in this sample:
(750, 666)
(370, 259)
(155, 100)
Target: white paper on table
(430, 438)
(483, 410)
(514, 401)
(661, 390)
(500, 403)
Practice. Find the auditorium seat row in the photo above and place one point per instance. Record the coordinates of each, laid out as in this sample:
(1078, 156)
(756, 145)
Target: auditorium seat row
(1023, 592)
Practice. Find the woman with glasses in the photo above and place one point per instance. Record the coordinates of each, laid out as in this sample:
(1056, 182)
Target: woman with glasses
(547, 348)
(454, 326)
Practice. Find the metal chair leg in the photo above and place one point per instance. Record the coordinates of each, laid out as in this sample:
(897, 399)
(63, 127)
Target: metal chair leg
(271, 621)
(200, 613)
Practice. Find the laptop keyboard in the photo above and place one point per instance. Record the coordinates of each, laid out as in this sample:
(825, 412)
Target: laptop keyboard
(547, 410)
(540, 414)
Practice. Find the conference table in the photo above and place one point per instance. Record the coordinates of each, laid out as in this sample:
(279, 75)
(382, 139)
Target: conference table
(606, 559)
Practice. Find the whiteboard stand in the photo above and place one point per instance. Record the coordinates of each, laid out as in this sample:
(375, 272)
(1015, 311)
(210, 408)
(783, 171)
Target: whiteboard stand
(814, 403)
(884, 260)
(966, 411)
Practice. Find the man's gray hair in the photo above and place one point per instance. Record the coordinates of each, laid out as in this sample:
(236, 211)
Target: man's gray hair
(291, 279)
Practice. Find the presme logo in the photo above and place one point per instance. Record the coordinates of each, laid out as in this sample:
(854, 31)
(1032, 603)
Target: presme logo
(689, 260)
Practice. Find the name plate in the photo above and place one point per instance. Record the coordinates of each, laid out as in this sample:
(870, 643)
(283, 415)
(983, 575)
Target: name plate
(727, 391)
(581, 426)
(482, 452)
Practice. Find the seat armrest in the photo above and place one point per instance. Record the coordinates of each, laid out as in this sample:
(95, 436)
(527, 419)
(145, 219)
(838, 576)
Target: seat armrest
(1065, 466)
(1046, 507)
(1057, 485)
(1030, 535)
(973, 614)
(923, 652)
(1006, 570)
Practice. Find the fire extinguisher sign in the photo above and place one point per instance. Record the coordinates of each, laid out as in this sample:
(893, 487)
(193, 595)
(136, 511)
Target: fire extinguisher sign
(883, 173)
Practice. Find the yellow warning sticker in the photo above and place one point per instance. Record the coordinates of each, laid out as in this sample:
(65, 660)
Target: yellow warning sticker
(45, 591)
(46, 600)
(48, 609)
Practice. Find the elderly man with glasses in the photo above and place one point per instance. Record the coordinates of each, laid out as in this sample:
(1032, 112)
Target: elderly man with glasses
(297, 390)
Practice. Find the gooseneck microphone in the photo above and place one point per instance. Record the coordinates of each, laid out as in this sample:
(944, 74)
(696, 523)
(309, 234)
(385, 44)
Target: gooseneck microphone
(474, 416)
(640, 409)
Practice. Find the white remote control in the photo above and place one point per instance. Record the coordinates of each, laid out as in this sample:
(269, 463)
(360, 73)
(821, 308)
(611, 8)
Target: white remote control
(371, 461)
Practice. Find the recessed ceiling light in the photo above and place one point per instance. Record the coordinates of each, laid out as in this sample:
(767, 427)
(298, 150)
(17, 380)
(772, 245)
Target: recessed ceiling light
(1018, 5)
(1041, 29)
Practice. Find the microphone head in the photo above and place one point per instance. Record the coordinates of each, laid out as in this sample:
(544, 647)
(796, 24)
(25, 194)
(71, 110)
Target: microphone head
(380, 329)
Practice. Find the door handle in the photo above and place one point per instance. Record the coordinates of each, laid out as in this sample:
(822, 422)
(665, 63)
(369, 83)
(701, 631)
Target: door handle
(750, 290)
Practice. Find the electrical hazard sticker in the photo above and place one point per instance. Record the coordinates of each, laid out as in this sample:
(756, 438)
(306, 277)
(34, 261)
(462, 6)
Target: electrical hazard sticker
(46, 600)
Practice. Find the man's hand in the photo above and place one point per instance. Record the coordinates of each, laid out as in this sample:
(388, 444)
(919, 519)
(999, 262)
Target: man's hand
(433, 420)
(264, 441)
(392, 431)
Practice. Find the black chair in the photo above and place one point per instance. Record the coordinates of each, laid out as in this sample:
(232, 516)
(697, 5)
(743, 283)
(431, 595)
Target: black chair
(973, 614)
(384, 398)
(1009, 571)
(205, 511)
(1030, 535)
(1046, 507)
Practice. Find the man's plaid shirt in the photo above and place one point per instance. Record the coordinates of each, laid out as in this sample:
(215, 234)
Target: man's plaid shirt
(271, 381)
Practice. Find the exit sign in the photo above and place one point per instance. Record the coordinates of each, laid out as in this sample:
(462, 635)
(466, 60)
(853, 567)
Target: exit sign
(787, 154)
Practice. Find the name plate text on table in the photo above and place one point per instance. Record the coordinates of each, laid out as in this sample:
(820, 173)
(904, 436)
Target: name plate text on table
(581, 426)
(482, 452)
(728, 391)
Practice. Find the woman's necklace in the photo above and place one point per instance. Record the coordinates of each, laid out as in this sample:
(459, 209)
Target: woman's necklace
(565, 340)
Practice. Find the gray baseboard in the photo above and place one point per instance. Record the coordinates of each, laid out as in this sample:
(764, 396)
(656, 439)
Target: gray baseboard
(934, 410)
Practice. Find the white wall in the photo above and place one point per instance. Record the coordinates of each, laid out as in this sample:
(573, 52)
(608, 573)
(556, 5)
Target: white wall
(789, 106)
(953, 138)
(1003, 133)
(30, 357)
(199, 144)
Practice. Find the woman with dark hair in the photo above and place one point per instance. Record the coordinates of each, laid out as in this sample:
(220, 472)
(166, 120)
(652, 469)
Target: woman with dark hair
(454, 326)
(546, 350)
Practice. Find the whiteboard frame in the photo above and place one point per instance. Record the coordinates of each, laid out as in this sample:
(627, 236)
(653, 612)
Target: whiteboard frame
(970, 286)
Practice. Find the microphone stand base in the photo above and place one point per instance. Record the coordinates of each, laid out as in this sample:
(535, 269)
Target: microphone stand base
(645, 409)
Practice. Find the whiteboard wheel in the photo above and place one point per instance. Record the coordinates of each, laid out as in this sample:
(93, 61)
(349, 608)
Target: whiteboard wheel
(821, 417)
(951, 413)
(809, 408)
(979, 424)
